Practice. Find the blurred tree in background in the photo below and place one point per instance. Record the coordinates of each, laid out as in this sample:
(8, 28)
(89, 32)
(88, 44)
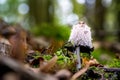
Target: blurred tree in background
(42, 11)
(97, 18)
(116, 9)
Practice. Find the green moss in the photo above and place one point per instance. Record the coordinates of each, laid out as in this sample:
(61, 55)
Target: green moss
(103, 56)
(115, 63)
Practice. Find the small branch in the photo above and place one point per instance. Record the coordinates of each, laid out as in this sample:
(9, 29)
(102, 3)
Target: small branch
(79, 73)
(83, 70)
(49, 65)
(63, 74)
(111, 69)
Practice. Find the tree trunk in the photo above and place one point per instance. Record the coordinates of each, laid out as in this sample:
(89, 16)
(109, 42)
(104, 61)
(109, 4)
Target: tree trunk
(116, 5)
(96, 17)
(41, 11)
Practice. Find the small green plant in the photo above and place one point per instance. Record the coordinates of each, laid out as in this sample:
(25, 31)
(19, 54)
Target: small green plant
(66, 59)
(36, 55)
(47, 57)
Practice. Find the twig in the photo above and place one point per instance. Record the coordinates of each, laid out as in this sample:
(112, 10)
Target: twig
(111, 69)
(49, 65)
(83, 70)
(63, 74)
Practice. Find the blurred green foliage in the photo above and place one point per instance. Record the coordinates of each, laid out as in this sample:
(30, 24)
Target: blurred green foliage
(79, 9)
(115, 63)
(103, 56)
(55, 31)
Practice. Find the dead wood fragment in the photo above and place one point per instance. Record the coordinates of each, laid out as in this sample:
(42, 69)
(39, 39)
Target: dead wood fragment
(49, 65)
(5, 47)
(111, 69)
(63, 74)
(19, 44)
(8, 65)
(84, 69)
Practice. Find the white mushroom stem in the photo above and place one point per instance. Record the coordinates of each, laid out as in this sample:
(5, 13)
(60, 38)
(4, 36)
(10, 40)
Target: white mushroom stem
(77, 52)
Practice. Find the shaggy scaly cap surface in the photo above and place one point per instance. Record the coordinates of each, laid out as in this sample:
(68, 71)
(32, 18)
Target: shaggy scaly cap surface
(81, 35)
